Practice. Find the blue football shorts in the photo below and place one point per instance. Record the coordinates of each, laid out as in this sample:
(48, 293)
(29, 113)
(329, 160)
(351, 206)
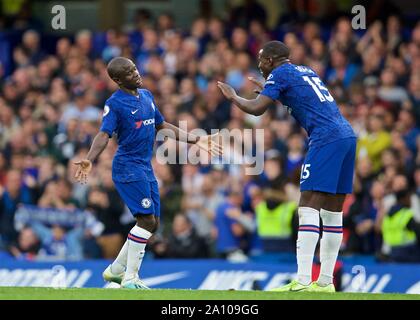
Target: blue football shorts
(329, 168)
(141, 197)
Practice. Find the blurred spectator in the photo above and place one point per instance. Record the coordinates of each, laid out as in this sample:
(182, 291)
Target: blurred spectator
(363, 221)
(295, 154)
(11, 196)
(183, 242)
(83, 42)
(57, 243)
(170, 191)
(31, 47)
(81, 109)
(275, 216)
(113, 49)
(57, 194)
(400, 231)
(374, 142)
(389, 90)
(201, 207)
(150, 47)
(108, 211)
(273, 175)
(344, 40)
(231, 228)
(341, 70)
(407, 125)
(28, 245)
(61, 231)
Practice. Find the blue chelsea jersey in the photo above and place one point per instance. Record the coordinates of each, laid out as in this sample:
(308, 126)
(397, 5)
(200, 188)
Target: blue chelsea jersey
(308, 100)
(133, 119)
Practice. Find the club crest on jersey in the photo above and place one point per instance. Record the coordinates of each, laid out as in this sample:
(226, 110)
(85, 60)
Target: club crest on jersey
(146, 203)
(146, 122)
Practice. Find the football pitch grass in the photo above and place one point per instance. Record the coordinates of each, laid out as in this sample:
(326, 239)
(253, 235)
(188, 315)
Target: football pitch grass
(30, 293)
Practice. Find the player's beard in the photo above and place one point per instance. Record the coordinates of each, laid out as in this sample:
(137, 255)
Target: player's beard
(265, 75)
(134, 86)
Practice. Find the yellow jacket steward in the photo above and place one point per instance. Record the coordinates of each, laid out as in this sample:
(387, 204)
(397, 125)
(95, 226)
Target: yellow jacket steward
(394, 228)
(275, 223)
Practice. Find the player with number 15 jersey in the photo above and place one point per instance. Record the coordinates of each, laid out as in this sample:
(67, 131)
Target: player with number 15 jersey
(327, 172)
(329, 164)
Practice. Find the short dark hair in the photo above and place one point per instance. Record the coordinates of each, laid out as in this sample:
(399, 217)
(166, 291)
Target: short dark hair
(115, 67)
(276, 50)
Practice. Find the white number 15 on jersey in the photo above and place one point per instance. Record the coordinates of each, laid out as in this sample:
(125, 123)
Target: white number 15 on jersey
(321, 91)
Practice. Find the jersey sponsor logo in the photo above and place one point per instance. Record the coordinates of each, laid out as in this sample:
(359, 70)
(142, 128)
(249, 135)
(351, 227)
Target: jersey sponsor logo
(134, 111)
(146, 203)
(106, 110)
(146, 122)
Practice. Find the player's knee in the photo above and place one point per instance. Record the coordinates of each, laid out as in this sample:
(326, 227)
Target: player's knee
(334, 202)
(147, 221)
(310, 199)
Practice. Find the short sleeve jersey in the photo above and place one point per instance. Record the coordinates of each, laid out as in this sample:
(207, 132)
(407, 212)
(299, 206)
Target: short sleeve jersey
(133, 120)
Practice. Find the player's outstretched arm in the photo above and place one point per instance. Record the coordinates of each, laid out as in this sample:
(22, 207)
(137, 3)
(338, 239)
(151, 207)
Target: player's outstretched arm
(255, 106)
(84, 167)
(207, 143)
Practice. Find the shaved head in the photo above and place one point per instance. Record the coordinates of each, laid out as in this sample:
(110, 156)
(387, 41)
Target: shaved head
(118, 66)
(124, 72)
(275, 50)
(272, 54)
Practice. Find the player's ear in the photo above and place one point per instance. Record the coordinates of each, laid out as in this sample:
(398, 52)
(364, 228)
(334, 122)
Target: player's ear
(117, 80)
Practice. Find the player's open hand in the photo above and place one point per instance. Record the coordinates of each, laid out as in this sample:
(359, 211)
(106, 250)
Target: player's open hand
(83, 169)
(259, 84)
(227, 90)
(211, 144)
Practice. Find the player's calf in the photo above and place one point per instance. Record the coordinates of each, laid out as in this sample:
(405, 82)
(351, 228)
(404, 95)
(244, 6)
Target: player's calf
(308, 235)
(332, 235)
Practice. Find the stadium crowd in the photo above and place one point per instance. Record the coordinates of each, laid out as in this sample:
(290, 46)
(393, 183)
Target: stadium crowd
(51, 108)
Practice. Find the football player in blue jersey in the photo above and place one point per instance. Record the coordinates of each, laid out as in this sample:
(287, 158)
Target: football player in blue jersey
(132, 114)
(327, 172)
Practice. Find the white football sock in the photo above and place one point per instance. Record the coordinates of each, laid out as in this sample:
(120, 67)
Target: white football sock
(137, 241)
(332, 235)
(306, 243)
(120, 262)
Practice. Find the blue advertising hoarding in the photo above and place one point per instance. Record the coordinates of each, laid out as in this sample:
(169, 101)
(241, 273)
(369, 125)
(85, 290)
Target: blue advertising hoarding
(211, 274)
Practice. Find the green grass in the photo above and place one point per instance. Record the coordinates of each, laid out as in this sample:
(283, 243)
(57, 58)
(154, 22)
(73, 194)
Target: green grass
(30, 293)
